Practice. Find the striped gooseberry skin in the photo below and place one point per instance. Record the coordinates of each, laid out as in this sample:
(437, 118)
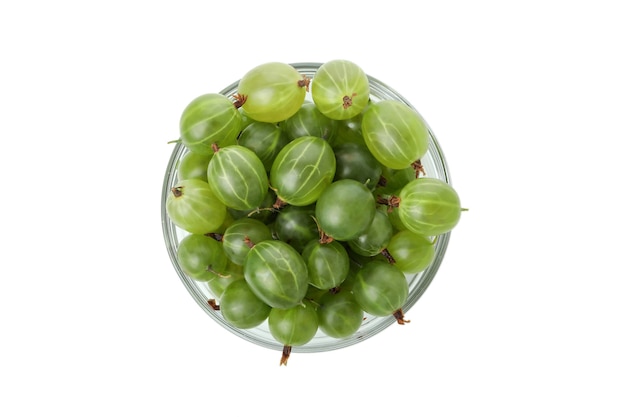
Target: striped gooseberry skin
(345, 209)
(272, 92)
(429, 206)
(193, 206)
(237, 177)
(412, 253)
(276, 273)
(294, 326)
(296, 225)
(209, 119)
(241, 308)
(193, 165)
(234, 238)
(394, 133)
(201, 257)
(302, 170)
(265, 139)
(340, 89)
(380, 288)
(309, 121)
(327, 263)
(339, 314)
(356, 161)
(375, 238)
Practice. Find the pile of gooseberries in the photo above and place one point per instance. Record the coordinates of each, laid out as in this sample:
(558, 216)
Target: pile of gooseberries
(304, 202)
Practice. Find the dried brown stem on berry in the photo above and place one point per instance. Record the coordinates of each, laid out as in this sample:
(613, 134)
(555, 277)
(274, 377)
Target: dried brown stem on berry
(391, 202)
(285, 356)
(240, 99)
(249, 243)
(213, 304)
(347, 100)
(399, 316)
(388, 256)
(382, 181)
(215, 147)
(304, 82)
(419, 168)
(279, 203)
(177, 191)
(216, 236)
(325, 239)
(394, 201)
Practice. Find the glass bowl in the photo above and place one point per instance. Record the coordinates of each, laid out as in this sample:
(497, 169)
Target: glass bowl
(434, 165)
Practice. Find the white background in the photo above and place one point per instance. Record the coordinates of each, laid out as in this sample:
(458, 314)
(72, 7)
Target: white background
(526, 315)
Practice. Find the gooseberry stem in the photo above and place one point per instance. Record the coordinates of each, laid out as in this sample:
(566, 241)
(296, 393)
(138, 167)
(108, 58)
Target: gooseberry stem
(392, 202)
(324, 238)
(213, 304)
(399, 316)
(279, 203)
(418, 167)
(304, 82)
(249, 243)
(215, 236)
(347, 100)
(177, 191)
(260, 209)
(388, 256)
(240, 99)
(285, 356)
